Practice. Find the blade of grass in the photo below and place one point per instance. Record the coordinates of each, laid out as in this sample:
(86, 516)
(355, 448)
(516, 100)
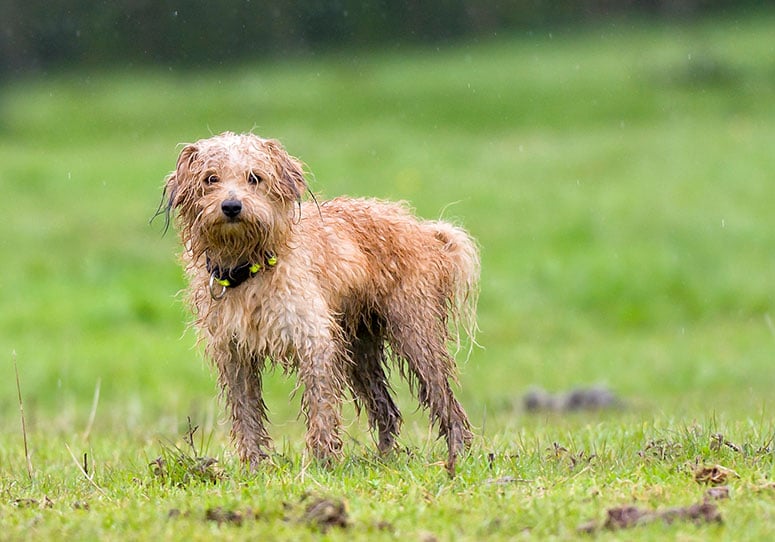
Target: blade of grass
(93, 412)
(24, 424)
(90, 479)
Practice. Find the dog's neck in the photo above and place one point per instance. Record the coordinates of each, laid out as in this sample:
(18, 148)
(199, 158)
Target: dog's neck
(231, 276)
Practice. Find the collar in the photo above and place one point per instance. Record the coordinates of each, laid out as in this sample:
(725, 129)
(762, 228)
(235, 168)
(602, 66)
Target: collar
(231, 277)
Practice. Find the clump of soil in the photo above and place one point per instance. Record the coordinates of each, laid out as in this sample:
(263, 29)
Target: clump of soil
(627, 517)
(325, 513)
(716, 493)
(320, 513)
(575, 400)
(233, 517)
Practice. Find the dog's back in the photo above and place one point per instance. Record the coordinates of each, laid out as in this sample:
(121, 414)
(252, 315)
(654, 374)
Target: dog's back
(396, 247)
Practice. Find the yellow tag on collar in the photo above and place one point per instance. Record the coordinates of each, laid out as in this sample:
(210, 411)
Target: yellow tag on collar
(271, 261)
(255, 268)
(223, 282)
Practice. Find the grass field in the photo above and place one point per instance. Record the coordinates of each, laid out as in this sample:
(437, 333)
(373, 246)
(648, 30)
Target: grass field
(620, 183)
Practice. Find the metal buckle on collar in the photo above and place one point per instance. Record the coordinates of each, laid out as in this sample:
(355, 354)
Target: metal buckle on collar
(213, 282)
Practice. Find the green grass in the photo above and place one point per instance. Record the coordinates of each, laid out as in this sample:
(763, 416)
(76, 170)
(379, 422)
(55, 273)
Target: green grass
(619, 181)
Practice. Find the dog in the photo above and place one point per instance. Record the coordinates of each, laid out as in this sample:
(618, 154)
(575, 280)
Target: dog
(331, 290)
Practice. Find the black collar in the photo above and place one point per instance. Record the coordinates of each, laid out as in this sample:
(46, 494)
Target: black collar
(231, 277)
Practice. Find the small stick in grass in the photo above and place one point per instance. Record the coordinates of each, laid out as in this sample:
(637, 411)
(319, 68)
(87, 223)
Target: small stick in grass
(24, 425)
(81, 468)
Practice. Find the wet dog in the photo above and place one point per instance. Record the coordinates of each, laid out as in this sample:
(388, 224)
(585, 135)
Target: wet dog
(332, 291)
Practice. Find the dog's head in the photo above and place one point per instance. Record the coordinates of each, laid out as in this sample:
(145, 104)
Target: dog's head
(235, 195)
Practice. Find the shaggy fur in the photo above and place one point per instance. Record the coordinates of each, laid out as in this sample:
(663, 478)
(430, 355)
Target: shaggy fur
(342, 287)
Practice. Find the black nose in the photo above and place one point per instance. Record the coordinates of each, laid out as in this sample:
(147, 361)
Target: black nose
(231, 207)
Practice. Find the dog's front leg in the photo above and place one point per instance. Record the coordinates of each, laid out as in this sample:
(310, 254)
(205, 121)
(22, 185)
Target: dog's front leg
(240, 379)
(321, 373)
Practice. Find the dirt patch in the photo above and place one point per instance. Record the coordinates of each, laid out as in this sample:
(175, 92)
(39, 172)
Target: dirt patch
(716, 493)
(222, 515)
(219, 514)
(627, 517)
(325, 513)
(319, 513)
(704, 512)
(575, 400)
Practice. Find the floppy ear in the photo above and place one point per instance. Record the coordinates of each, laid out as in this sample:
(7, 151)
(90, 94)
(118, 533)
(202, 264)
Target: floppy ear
(170, 196)
(181, 174)
(290, 172)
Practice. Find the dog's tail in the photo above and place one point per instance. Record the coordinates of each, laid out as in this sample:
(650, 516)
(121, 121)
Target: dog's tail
(463, 254)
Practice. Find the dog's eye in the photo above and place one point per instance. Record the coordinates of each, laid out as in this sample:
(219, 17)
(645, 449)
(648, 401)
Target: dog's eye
(254, 178)
(211, 179)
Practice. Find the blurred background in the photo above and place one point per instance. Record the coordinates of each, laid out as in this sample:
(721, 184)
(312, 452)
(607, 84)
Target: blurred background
(614, 160)
(38, 37)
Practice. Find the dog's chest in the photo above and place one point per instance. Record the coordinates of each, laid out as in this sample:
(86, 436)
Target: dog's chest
(271, 317)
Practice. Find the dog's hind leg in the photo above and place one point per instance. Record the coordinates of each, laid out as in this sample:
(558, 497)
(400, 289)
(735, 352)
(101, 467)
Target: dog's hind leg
(240, 379)
(368, 381)
(419, 338)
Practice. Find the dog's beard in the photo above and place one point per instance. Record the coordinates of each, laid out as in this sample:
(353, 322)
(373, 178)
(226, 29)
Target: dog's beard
(231, 242)
(236, 242)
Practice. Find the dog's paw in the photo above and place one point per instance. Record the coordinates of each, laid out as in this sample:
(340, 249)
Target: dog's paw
(256, 460)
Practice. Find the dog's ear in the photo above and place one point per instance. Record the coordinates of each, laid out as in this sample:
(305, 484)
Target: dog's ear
(171, 194)
(290, 172)
(180, 177)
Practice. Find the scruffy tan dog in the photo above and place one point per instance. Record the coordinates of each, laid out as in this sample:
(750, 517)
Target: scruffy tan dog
(330, 290)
